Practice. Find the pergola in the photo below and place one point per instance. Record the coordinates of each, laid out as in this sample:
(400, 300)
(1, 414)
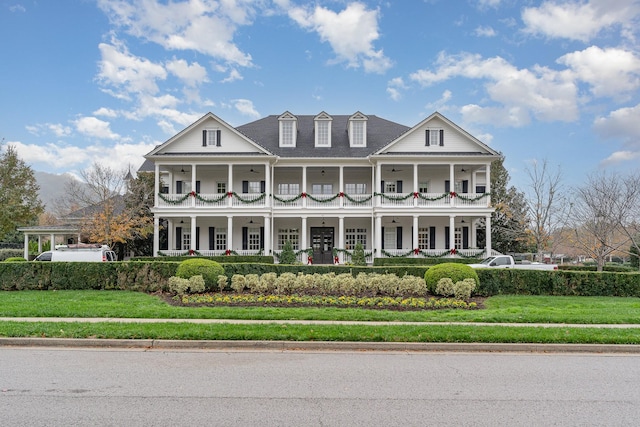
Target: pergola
(63, 232)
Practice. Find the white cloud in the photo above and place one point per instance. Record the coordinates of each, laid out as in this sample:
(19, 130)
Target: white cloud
(541, 92)
(350, 33)
(192, 75)
(204, 26)
(232, 77)
(246, 107)
(394, 87)
(440, 104)
(580, 20)
(609, 72)
(489, 3)
(484, 31)
(57, 129)
(622, 123)
(95, 128)
(620, 157)
(106, 112)
(56, 156)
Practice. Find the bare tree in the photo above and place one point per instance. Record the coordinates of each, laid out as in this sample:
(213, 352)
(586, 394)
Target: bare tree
(603, 211)
(547, 206)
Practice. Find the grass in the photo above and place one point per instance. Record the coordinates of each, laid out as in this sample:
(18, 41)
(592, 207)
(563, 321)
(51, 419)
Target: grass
(507, 309)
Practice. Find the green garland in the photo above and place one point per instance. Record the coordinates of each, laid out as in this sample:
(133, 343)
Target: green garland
(337, 251)
(250, 201)
(356, 201)
(216, 200)
(174, 202)
(473, 199)
(293, 200)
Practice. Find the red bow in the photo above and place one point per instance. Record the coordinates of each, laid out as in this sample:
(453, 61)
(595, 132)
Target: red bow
(415, 194)
(229, 194)
(309, 260)
(227, 252)
(453, 251)
(416, 251)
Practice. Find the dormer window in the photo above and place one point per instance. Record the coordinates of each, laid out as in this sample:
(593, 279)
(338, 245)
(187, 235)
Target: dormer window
(434, 137)
(288, 129)
(358, 130)
(211, 138)
(323, 130)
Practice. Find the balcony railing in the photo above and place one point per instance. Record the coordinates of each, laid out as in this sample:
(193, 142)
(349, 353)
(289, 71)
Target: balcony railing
(436, 200)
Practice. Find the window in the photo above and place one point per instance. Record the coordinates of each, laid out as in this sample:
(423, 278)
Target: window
(289, 189)
(423, 238)
(322, 189)
(423, 187)
(481, 189)
(354, 236)
(186, 240)
(222, 188)
(220, 239)
(356, 188)
(357, 134)
(291, 235)
(434, 137)
(389, 187)
(211, 138)
(288, 133)
(254, 187)
(390, 237)
(323, 133)
(458, 238)
(253, 235)
(458, 187)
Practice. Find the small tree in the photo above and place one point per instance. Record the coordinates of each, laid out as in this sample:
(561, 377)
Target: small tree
(635, 257)
(287, 256)
(358, 258)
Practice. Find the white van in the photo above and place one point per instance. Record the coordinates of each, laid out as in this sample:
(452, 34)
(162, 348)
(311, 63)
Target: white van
(98, 253)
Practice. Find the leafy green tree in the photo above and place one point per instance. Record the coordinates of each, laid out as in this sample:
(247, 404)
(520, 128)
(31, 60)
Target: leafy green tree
(19, 199)
(139, 200)
(287, 256)
(508, 222)
(358, 257)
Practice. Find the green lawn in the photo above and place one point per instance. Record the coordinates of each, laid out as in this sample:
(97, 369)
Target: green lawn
(518, 309)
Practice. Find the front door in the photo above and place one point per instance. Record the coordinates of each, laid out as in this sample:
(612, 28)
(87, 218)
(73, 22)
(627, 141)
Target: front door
(322, 238)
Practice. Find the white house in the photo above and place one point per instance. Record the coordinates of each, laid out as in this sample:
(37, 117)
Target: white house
(323, 183)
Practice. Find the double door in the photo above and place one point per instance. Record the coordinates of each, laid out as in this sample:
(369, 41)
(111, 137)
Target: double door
(322, 239)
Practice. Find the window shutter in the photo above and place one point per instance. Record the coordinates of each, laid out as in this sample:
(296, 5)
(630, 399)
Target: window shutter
(218, 138)
(382, 186)
(197, 186)
(465, 186)
(204, 138)
(262, 238)
(179, 238)
(426, 138)
(212, 238)
(197, 238)
(382, 232)
(465, 237)
(432, 237)
(179, 187)
(245, 187)
(398, 237)
(446, 237)
(399, 187)
(442, 137)
(245, 238)
(447, 186)
(263, 187)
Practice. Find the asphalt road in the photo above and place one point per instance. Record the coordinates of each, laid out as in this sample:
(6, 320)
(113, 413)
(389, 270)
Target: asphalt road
(136, 387)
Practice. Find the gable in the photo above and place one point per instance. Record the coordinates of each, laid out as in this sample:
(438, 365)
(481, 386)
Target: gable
(193, 141)
(450, 139)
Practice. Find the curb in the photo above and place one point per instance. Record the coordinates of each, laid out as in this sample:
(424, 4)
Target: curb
(349, 346)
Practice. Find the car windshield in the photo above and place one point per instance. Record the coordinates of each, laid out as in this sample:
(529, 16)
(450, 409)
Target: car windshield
(486, 261)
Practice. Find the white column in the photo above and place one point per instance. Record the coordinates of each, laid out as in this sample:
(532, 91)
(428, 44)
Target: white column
(303, 233)
(416, 185)
(230, 232)
(304, 189)
(341, 186)
(52, 238)
(415, 231)
(156, 235)
(452, 182)
(488, 187)
(268, 249)
(378, 236)
(267, 185)
(472, 230)
(170, 235)
(193, 188)
(26, 245)
(488, 233)
(341, 237)
(229, 190)
(452, 232)
(156, 185)
(192, 244)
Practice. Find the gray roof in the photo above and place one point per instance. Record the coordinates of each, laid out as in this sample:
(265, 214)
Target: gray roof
(265, 132)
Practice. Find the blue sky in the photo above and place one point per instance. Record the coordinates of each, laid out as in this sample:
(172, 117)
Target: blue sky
(86, 81)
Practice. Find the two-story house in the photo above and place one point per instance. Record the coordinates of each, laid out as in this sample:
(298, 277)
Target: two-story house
(324, 183)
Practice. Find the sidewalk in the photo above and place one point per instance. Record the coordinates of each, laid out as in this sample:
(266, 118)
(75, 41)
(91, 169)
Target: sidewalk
(186, 345)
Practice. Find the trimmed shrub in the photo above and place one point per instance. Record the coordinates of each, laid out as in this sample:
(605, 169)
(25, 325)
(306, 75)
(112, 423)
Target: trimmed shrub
(445, 287)
(178, 285)
(208, 269)
(358, 258)
(222, 282)
(453, 271)
(463, 289)
(287, 256)
(238, 282)
(196, 284)
(15, 259)
(10, 253)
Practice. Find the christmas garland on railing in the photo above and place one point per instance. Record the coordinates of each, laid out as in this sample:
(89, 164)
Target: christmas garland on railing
(473, 199)
(174, 202)
(190, 252)
(352, 200)
(249, 201)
